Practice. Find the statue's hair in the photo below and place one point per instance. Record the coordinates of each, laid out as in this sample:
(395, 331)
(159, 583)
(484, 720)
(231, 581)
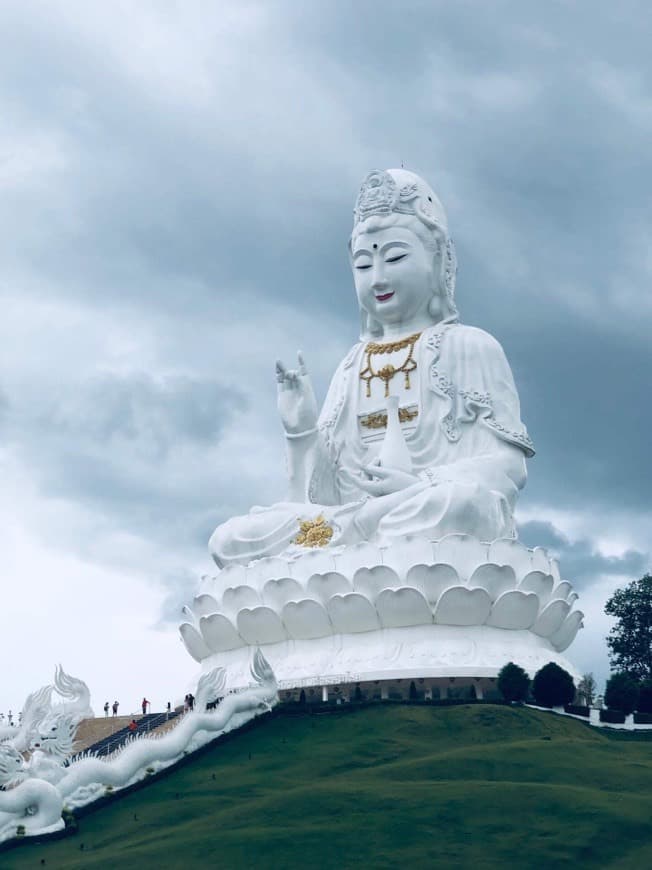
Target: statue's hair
(435, 240)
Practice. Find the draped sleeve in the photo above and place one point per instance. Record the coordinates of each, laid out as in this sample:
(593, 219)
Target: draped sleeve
(470, 371)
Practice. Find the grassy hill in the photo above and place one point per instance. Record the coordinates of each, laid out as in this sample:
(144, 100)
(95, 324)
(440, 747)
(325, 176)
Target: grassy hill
(387, 786)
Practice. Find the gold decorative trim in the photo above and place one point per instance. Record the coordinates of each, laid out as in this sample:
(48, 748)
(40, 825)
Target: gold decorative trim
(387, 372)
(379, 420)
(314, 533)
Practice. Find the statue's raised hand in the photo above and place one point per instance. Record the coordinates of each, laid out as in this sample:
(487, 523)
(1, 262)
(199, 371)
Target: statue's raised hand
(296, 398)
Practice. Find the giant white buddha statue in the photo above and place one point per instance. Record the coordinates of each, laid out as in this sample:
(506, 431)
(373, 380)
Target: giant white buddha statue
(458, 409)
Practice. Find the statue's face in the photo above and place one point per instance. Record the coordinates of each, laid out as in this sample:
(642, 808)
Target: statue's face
(393, 274)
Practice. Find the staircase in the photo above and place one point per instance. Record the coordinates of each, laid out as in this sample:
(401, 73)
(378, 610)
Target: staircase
(108, 743)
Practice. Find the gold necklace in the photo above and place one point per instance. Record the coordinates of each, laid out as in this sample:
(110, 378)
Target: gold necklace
(387, 372)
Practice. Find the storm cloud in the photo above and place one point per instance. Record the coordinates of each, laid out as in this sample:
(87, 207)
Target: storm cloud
(176, 189)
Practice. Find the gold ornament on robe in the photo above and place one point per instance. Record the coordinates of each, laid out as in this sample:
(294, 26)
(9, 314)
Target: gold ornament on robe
(379, 420)
(387, 372)
(314, 533)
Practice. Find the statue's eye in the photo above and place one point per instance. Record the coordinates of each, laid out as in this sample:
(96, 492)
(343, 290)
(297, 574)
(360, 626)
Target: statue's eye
(54, 728)
(396, 258)
(363, 266)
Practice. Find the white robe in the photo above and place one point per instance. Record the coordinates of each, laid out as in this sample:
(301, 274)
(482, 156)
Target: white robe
(468, 449)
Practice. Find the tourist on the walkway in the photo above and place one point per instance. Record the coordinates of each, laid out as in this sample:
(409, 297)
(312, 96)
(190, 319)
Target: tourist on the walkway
(115, 708)
(144, 704)
(106, 709)
(133, 726)
(168, 710)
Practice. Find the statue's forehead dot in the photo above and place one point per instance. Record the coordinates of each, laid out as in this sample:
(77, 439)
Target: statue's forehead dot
(375, 246)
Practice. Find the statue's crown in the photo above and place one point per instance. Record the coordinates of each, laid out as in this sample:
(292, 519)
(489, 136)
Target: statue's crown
(384, 191)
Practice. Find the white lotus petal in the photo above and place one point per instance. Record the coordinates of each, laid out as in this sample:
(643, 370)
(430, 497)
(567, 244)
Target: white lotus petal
(562, 590)
(234, 599)
(231, 575)
(219, 633)
(572, 598)
(204, 604)
(507, 551)
(464, 552)
(496, 579)
(540, 560)
(260, 625)
(209, 585)
(277, 593)
(410, 550)
(357, 556)
(540, 584)
(405, 606)
(462, 606)
(352, 613)
(551, 618)
(268, 568)
(324, 586)
(432, 580)
(370, 581)
(306, 619)
(312, 562)
(194, 642)
(565, 634)
(554, 570)
(514, 610)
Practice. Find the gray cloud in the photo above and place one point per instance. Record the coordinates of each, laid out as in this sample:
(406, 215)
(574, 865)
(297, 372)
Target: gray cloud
(580, 560)
(177, 189)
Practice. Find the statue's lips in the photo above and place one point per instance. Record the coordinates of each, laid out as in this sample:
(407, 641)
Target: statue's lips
(383, 297)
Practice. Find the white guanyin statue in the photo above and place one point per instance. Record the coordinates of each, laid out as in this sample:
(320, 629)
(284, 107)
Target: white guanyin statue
(395, 555)
(420, 432)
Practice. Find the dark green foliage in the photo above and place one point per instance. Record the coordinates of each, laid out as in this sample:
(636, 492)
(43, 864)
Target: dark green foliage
(630, 640)
(513, 682)
(645, 697)
(553, 686)
(614, 717)
(621, 693)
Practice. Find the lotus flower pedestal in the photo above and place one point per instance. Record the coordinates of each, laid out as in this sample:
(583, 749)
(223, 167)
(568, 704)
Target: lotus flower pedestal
(416, 609)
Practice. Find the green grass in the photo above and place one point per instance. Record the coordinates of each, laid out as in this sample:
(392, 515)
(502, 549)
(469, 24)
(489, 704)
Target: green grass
(387, 786)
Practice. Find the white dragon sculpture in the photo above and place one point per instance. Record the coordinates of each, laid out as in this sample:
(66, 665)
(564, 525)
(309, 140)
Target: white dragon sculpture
(35, 790)
(38, 707)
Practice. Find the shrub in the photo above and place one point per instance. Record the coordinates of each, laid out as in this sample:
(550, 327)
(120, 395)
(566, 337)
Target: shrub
(622, 693)
(513, 682)
(578, 710)
(643, 718)
(645, 697)
(553, 686)
(613, 716)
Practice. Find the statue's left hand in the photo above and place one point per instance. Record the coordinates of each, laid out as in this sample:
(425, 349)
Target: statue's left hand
(382, 480)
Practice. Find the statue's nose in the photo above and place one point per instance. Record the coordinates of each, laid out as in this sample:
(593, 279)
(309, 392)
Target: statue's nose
(378, 280)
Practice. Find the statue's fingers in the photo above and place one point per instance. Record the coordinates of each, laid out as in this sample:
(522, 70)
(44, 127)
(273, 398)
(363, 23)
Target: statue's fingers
(281, 372)
(373, 487)
(302, 363)
(378, 471)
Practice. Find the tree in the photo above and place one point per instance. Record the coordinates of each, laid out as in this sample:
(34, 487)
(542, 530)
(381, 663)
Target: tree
(553, 686)
(630, 640)
(513, 682)
(645, 697)
(586, 690)
(622, 693)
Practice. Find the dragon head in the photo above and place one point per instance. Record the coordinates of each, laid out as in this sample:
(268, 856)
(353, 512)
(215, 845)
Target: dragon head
(56, 735)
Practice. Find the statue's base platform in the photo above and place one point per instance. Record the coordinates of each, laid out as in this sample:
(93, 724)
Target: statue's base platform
(430, 652)
(457, 607)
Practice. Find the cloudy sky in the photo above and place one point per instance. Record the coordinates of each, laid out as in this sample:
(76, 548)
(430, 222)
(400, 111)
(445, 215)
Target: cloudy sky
(176, 188)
